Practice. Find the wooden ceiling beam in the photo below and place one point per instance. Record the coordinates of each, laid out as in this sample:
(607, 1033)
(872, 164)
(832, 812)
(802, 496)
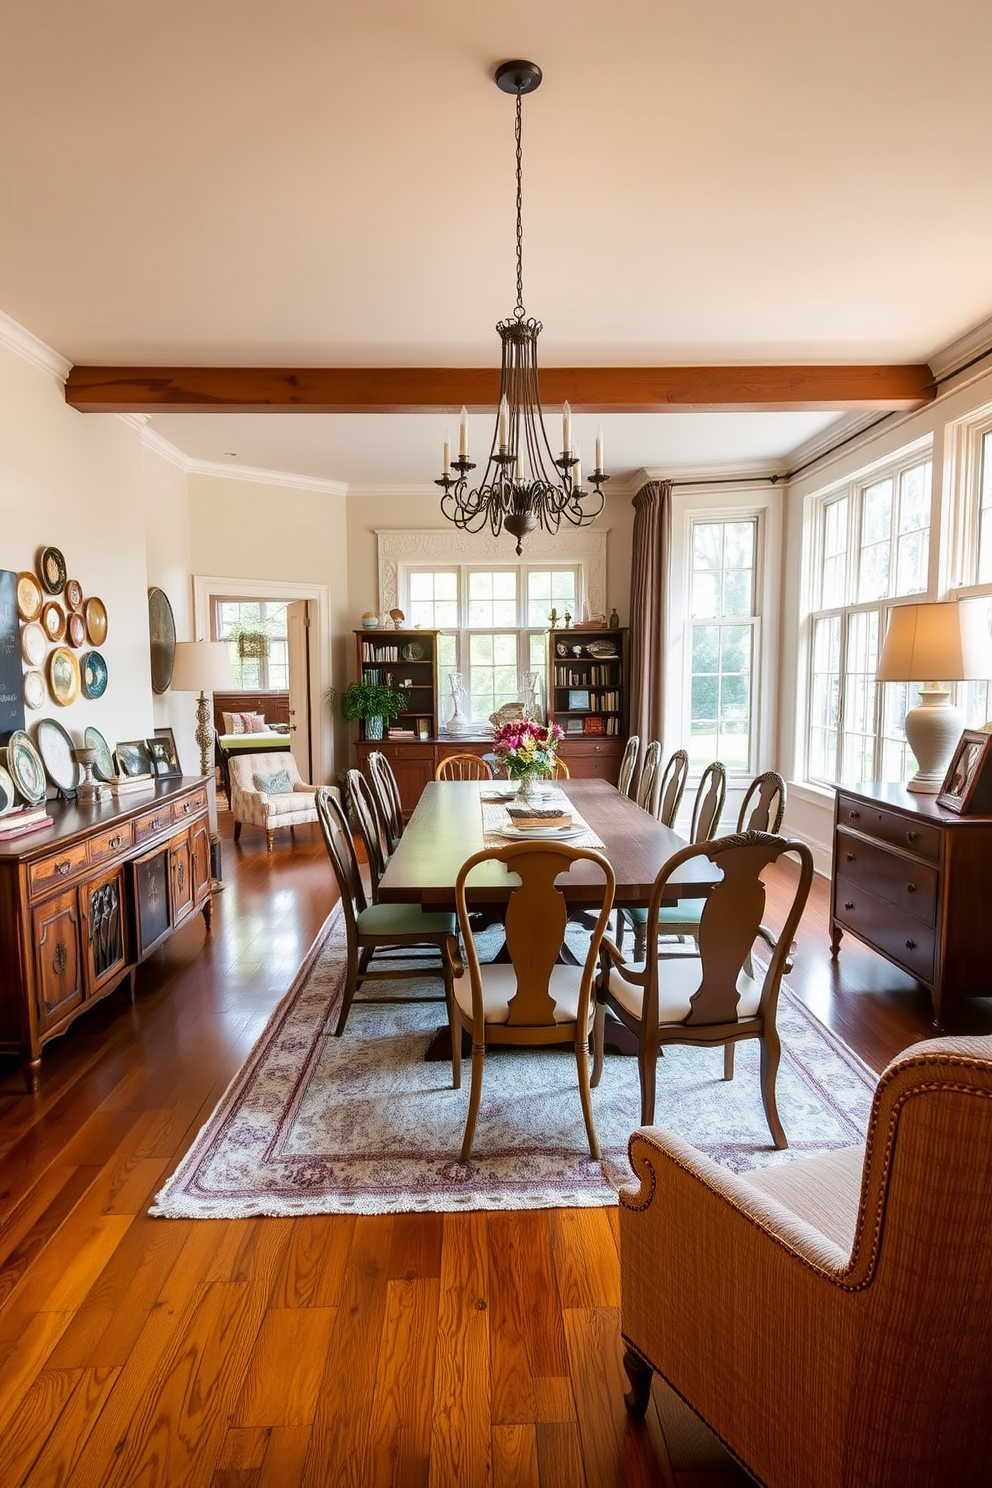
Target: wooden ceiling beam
(446, 389)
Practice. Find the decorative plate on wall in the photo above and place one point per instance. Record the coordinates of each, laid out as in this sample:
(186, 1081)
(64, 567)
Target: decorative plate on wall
(29, 596)
(74, 594)
(34, 643)
(75, 629)
(26, 769)
(53, 620)
(35, 691)
(95, 612)
(63, 676)
(55, 748)
(94, 674)
(51, 570)
(162, 639)
(8, 794)
(103, 765)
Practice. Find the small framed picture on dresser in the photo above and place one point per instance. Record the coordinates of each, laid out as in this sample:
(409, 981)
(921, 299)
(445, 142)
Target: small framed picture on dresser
(967, 787)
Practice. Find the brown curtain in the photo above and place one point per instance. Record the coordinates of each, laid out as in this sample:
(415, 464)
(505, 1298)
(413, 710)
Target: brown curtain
(648, 596)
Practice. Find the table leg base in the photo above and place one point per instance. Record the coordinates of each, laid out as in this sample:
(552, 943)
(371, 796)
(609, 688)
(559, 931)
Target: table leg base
(618, 1040)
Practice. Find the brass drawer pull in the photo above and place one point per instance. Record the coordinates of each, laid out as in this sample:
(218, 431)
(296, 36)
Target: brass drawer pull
(854, 815)
(912, 836)
(155, 823)
(911, 945)
(187, 807)
(910, 888)
(64, 867)
(848, 904)
(850, 857)
(116, 841)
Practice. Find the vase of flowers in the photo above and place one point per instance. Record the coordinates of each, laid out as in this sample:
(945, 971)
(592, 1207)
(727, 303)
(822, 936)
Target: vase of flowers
(527, 751)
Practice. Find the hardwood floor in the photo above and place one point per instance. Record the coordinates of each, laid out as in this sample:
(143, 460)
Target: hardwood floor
(428, 1350)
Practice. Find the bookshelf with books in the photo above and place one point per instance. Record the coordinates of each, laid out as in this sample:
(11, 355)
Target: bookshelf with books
(406, 661)
(588, 697)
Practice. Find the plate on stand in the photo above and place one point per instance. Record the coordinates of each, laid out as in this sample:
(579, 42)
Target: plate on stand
(25, 767)
(56, 750)
(103, 765)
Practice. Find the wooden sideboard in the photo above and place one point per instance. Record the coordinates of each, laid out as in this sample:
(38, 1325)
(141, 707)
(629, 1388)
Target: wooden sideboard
(911, 880)
(83, 901)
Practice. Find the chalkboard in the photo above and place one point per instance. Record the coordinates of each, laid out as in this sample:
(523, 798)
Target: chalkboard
(11, 672)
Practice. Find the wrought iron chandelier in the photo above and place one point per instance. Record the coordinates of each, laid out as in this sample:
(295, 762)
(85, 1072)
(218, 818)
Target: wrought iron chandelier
(517, 492)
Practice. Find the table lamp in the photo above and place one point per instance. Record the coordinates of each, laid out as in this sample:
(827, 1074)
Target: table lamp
(202, 666)
(925, 642)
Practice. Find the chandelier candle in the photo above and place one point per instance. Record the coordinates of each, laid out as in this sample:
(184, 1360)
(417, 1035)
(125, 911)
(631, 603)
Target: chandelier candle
(517, 493)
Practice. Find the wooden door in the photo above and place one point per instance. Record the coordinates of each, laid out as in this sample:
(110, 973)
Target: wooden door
(298, 632)
(101, 903)
(56, 936)
(180, 878)
(199, 836)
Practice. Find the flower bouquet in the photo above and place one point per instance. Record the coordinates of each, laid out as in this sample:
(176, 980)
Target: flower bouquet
(527, 750)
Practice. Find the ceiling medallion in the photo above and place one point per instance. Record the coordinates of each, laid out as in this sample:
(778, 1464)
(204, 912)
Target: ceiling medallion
(518, 492)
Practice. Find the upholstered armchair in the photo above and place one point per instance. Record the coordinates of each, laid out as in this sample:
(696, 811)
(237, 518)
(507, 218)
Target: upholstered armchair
(830, 1318)
(268, 791)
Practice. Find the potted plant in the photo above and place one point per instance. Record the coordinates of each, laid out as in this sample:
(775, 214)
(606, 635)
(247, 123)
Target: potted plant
(373, 702)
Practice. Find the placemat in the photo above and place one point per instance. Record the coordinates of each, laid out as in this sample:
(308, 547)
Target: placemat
(495, 820)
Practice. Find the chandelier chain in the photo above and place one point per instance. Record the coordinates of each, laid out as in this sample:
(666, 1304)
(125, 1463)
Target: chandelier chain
(519, 310)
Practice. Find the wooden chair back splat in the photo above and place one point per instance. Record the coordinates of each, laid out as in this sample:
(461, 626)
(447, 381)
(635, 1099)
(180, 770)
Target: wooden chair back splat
(463, 767)
(645, 793)
(763, 806)
(628, 765)
(387, 793)
(670, 788)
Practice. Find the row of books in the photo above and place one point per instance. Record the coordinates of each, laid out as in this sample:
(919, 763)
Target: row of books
(373, 652)
(587, 675)
(26, 819)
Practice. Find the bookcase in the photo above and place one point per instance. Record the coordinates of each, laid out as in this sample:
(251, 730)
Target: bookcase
(405, 660)
(588, 696)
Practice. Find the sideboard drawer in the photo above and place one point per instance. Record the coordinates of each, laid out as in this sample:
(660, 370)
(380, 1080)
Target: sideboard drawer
(153, 822)
(114, 840)
(191, 805)
(911, 834)
(57, 868)
(905, 940)
(900, 880)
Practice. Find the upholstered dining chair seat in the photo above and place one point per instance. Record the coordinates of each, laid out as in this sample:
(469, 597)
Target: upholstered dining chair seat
(403, 919)
(499, 983)
(678, 978)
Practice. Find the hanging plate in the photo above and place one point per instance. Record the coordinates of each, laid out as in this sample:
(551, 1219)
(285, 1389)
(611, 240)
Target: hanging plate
(29, 596)
(26, 768)
(56, 750)
(74, 594)
(51, 570)
(95, 612)
(63, 676)
(53, 620)
(76, 629)
(94, 674)
(34, 643)
(35, 691)
(103, 765)
(162, 639)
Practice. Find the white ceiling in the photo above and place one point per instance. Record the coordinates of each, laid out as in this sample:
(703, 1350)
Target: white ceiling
(318, 183)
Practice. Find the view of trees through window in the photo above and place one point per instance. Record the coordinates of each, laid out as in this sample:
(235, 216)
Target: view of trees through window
(256, 631)
(722, 603)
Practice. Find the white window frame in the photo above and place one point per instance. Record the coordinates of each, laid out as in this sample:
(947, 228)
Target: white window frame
(691, 505)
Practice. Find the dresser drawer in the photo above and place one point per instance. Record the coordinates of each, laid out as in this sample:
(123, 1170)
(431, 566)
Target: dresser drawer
(908, 884)
(189, 806)
(57, 868)
(905, 940)
(106, 844)
(909, 833)
(153, 822)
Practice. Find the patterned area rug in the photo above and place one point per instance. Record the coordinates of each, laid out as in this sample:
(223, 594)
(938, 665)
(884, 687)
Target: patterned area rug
(364, 1125)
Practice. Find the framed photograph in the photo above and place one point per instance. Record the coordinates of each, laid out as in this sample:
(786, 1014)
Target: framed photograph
(967, 787)
(162, 753)
(573, 726)
(578, 698)
(423, 728)
(133, 758)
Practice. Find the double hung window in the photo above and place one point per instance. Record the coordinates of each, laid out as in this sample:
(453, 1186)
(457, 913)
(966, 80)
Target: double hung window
(256, 631)
(724, 623)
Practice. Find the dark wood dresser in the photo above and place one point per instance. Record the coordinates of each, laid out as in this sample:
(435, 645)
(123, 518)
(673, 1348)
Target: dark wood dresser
(912, 881)
(83, 901)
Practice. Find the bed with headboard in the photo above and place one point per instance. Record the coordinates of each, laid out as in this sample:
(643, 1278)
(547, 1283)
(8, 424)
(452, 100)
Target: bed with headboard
(249, 723)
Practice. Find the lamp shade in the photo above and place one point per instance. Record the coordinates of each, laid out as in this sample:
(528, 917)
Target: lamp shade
(942, 642)
(202, 666)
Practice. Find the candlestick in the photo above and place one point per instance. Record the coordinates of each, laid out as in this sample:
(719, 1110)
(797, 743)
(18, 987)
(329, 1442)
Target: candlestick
(599, 448)
(447, 455)
(463, 434)
(504, 419)
(566, 428)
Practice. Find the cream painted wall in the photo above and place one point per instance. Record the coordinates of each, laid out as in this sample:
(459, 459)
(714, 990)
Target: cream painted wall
(75, 482)
(168, 564)
(280, 533)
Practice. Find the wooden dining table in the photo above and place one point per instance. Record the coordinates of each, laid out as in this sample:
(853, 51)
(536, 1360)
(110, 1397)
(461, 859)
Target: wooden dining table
(447, 827)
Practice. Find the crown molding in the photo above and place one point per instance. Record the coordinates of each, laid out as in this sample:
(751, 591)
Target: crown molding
(256, 475)
(970, 347)
(26, 345)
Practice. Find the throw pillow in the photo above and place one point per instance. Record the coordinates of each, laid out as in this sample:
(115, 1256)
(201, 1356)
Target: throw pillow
(233, 723)
(277, 784)
(252, 723)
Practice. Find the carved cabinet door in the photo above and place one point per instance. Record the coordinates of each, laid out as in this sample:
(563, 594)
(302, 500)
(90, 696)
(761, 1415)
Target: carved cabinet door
(104, 944)
(199, 836)
(181, 877)
(59, 986)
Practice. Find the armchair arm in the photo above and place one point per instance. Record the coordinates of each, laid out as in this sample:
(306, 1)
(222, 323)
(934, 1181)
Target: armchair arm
(454, 955)
(304, 789)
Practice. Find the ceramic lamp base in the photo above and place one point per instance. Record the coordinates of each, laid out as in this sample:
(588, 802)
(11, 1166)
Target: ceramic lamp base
(933, 729)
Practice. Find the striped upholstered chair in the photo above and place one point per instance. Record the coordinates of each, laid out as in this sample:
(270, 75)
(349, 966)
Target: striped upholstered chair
(830, 1318)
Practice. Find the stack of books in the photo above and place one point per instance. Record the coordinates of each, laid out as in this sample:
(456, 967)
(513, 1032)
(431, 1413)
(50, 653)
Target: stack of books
(126, 783)
(401, 733)
(26, 819)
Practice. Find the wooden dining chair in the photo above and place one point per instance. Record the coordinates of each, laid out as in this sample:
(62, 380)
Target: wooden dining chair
(683, 919)
(649, 776)
(671, 787)
(763, 806)
(365, 814)
(628, 764)
(560, 771)
(387, 794)
(463, 767)
(535, 999)
(709, 998)
(370, 928)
